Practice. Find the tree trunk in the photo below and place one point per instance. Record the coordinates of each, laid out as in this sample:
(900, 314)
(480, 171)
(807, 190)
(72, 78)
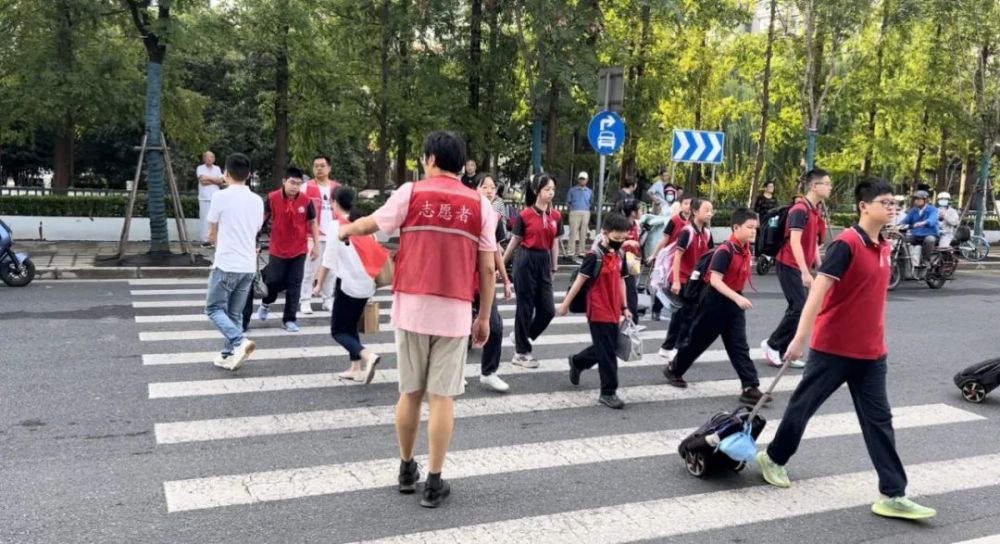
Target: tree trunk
(493, 23)
(765, 107)
(62, 153)
(382, 156)
(921, 148)
(866, 164)
(942, 169)
(634, 90)
(281, 78)
(156, 191)
(552, 125)
(475, 65)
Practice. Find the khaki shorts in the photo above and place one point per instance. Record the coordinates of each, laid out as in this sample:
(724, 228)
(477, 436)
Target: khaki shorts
(435, 364)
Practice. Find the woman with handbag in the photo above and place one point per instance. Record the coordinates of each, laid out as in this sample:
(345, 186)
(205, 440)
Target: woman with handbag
(355, 263)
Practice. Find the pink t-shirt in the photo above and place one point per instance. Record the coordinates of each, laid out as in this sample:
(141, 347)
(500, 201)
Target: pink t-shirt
(429, 314)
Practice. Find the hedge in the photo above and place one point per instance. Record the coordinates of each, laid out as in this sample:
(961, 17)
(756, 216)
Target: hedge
(86, 206)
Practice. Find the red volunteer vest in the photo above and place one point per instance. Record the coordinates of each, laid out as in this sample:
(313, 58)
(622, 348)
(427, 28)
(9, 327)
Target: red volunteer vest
(439, 240)
(289, 227)
(313, 193)
(851, 321)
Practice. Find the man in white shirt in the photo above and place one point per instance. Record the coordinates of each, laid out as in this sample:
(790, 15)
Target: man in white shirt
(320, 191)
(234, 219)
(210, 180)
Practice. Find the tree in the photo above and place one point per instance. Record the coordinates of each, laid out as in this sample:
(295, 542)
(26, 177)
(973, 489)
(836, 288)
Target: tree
(765, 103)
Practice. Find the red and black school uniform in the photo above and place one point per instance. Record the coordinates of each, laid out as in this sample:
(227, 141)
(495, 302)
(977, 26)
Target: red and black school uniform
(288, 246)
(805, 217)
(538, 230)
(717, 315)
(848, 346)
(604, 310)
(692, 243)
(670, 232)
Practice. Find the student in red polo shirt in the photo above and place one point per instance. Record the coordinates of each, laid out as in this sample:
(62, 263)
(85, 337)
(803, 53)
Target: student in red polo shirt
(845, 318)
(293, 221)
(670, 232)
(605, 308)
(536, 232)
(804, 232)
(722, 310)
(692, 242)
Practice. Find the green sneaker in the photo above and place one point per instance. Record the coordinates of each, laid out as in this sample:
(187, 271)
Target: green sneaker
(772, 472)
(903, 508)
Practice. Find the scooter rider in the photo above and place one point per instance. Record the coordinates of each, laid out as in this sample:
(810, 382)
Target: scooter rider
(948, 218)
(923, 222)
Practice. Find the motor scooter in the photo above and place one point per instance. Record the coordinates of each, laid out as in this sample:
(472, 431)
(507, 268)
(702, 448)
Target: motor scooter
(16, 269)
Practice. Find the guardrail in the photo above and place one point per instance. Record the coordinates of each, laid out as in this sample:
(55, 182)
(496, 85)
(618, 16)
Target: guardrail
(41, 191)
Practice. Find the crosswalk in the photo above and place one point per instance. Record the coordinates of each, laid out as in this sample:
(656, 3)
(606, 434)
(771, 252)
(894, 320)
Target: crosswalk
(330, 441)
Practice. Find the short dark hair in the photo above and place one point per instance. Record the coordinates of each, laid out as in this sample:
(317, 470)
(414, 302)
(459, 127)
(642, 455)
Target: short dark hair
(742, 215)
(768, 182)
(868, 190)
(344, 196)
(535, 186)
(448, 150)
(322, 156)
(481, 178)
(687, 196)
(627, 206)
(815, 175)
(697, 202)
(293, 172)
(616, 222)
(238, 166)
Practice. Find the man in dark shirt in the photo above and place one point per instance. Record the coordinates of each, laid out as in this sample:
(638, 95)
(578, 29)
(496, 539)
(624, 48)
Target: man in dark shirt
(469, 174)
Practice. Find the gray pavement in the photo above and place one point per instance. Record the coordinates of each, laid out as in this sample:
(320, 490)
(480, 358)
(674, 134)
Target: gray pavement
(85, 454)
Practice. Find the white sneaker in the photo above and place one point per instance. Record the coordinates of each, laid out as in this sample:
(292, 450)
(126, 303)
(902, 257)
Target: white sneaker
(771, 355)
(241, 354)
(327, 305)
(667, 354)
(347, 374)
(798, 363)
(494, 383)
(306, 308)
(368, 374)
(526, 361)
(221, 361)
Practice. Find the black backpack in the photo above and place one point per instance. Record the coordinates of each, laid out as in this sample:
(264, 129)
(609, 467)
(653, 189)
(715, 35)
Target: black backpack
(579, 303)
(772, 231)
(692, 290)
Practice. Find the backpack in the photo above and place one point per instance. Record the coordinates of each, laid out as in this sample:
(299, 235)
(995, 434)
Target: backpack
(579, 303)
(772, 231)
(692, 290)
(672, 249)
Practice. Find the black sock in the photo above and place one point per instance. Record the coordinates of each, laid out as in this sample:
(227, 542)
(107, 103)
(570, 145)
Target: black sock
(433, 479)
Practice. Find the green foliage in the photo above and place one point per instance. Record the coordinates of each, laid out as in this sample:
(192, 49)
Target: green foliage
(87, 206)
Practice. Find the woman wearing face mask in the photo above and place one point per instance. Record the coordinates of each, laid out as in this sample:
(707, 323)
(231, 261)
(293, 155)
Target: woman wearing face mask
(490, 361)
(948, 219)
(536, 231)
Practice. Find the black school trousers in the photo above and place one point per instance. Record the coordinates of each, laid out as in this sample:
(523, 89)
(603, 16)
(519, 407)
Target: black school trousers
(795, 294)
(490, 361)
(285, 275)
(601, 352)
(865, 379)
(717, 316)
(533, 287)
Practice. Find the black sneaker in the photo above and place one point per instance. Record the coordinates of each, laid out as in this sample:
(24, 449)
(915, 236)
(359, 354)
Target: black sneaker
(611, 401)
(434, 495)
(409, 475)
(574, 373)
(751, 395)
(673, 379)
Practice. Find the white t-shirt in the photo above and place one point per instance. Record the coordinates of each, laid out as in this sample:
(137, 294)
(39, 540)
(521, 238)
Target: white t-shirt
(326, 211)
(239, 213)
(344, 263)
(205, 192)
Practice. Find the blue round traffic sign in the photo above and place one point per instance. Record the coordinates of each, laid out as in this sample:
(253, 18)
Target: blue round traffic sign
(606, 132)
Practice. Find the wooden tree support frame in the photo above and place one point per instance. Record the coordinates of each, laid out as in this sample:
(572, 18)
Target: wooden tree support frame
(174, 193)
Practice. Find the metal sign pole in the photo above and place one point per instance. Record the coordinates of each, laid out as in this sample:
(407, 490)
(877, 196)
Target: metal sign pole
(711, 191)
(603, 162)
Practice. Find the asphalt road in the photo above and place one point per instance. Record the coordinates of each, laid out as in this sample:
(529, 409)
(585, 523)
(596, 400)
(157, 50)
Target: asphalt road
(104, 426)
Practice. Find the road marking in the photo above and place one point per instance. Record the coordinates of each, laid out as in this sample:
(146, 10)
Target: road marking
(201, 302)
(325, 420)
(664, 518)
(204, 357)
(995, 539)
(274, 485)
(232, 386)
(275, 330)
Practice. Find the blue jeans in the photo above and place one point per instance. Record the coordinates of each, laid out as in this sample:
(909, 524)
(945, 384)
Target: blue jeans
(227, 293)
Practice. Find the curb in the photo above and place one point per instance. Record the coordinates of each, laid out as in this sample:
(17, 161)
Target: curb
(121, 273)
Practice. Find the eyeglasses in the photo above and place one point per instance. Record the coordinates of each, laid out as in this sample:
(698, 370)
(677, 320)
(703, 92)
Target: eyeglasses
(886, 203)
(295, 181)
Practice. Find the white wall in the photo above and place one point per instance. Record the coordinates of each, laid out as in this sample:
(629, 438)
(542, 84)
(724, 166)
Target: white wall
(97, 229)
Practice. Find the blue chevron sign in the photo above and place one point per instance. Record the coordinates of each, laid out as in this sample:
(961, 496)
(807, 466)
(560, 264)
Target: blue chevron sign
(698, 146)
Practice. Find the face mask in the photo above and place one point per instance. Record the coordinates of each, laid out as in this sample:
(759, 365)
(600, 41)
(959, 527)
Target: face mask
(944, 203)
(670, 198)
(615, 246)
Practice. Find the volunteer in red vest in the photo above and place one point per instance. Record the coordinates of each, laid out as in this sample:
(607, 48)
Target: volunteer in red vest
(320, 191)
(446, 241)
(804, 232)
(293, 224)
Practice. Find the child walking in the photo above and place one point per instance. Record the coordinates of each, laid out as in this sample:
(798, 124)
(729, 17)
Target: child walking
(844, 316)
(536, 232)
(692, 242)
(606, 308)
(722, 310)
(490, 362)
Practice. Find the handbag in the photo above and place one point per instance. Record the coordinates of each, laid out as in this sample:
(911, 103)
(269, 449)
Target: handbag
(259, 285)
(629, 345)
(368, 324)
(385, 274)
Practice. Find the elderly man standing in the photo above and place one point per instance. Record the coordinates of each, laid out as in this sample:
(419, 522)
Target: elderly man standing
(579, 199)
(210, 180)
